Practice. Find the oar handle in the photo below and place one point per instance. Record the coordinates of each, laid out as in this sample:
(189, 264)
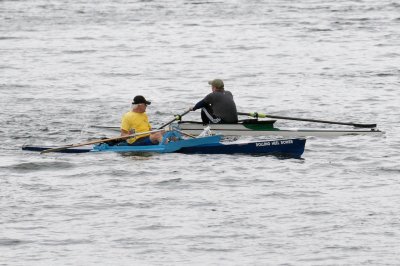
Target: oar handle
(99, 141)
(255, 114)
(177, 117)
(184, 133)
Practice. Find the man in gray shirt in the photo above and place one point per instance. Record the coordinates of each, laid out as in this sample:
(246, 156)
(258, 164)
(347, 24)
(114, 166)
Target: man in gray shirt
(218, 106)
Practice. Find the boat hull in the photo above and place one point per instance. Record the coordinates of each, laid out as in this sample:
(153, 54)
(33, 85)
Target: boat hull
(282, 147)
(256, 130)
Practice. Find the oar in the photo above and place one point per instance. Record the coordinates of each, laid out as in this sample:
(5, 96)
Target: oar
(255, 114)
(185, 134)
(106, 127)
(99, 141)
(177, 117)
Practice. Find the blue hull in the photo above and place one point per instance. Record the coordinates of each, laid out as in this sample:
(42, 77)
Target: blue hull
(287, 148)
(172, 146)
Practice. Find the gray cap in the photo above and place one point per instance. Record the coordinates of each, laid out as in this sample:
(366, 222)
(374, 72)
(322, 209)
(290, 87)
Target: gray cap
(217, 83)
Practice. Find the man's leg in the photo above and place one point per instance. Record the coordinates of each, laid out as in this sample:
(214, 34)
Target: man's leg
(156, 137)
(208, 117)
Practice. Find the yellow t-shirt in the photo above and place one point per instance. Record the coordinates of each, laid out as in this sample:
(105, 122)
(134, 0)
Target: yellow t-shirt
(137, 121)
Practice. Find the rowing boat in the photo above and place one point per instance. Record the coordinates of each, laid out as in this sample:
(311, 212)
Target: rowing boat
(202, 145)
(255, 127)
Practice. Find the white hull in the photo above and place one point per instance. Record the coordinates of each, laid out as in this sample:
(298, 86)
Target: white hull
(240, 130)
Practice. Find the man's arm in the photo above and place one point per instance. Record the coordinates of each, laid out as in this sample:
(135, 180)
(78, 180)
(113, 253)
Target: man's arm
(199, 105)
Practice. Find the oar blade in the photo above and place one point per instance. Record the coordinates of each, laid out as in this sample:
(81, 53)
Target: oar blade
(365, 125)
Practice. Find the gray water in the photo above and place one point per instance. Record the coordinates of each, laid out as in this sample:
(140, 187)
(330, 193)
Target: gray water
(67, 66)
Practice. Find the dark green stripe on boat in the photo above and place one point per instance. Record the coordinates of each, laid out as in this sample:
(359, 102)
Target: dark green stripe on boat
(258, 125)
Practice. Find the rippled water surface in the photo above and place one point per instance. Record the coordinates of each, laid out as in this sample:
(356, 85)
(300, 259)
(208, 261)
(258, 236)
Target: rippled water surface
(68, 66)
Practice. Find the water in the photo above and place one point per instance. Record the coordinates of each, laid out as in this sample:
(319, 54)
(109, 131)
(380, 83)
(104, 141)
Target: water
(70, 65)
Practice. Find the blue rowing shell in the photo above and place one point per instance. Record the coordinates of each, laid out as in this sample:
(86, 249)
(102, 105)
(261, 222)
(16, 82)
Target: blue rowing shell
(208, 145)
(172, 146)
(281, 147)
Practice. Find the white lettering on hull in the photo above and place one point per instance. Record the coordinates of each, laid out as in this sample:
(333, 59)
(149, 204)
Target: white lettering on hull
(262, 144)
(277, 142)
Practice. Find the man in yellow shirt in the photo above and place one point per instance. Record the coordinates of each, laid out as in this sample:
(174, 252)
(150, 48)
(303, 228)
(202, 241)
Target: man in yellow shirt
(136, 121)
